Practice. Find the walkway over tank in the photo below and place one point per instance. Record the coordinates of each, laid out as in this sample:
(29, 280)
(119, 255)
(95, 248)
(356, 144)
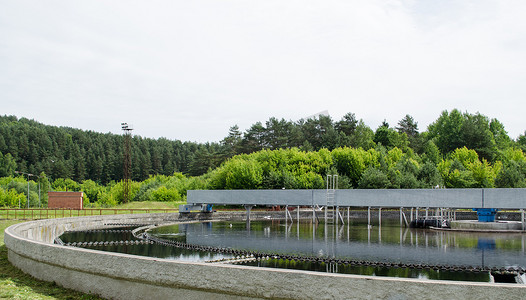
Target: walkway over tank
(452, 198)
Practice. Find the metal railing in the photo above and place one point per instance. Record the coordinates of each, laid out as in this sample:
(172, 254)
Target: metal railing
(50, 213)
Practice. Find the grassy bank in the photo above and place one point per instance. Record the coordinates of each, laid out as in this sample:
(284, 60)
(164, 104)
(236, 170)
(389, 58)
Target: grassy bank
(128, 208)
(14, 284)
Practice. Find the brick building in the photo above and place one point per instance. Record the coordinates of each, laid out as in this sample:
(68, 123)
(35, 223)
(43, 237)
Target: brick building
(71, 200)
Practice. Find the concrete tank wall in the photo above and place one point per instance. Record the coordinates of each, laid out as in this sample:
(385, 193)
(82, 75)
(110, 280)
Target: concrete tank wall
(122, 276)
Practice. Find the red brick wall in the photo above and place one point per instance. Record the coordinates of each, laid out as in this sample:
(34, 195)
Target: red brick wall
(71, 200)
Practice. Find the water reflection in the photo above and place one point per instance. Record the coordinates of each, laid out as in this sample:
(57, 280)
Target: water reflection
(357, 241)
(151, 250)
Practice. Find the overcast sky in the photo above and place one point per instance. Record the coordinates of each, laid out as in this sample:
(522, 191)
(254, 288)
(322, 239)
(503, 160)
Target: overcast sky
(189, 70)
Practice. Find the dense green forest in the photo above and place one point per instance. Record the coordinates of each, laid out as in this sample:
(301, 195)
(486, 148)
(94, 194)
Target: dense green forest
(457, 150)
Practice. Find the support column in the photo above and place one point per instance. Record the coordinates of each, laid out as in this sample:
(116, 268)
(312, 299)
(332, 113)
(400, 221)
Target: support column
(401, 221)
(522, 219)
(248, 208)
(368, 216)
(298, 214)
(313, 215)
(348, 215)
(379, 216)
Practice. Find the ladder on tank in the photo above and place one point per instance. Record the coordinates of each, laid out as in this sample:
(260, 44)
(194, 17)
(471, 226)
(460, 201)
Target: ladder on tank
(331, 209)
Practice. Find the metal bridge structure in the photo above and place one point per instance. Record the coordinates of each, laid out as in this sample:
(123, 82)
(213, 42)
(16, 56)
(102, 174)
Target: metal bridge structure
(439, 201)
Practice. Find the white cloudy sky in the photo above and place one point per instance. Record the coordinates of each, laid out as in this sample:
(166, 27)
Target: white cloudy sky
(189, 70)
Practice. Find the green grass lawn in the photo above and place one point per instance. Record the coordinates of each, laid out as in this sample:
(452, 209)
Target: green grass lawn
(15, 284)
(128, 208)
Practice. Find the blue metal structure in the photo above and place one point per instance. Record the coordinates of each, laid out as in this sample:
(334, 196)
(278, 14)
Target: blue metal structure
(486, 214)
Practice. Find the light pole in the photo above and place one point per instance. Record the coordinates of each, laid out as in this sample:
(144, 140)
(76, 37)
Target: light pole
(39, 201)
(50, 180)
(127, 160)
(28, 174)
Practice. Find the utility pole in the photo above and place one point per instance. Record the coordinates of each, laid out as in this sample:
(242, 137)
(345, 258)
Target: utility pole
(23, 173)
(127, 159)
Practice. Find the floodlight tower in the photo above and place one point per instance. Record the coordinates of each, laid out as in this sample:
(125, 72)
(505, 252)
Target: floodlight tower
(127, 159)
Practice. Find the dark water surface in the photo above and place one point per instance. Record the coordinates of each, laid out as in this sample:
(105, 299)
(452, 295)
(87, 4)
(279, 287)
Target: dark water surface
(355, 241)
(386, 243)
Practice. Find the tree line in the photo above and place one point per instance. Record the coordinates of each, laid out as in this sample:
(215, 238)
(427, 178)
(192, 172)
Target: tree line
(376, 168)
(457, 150)
(63, 152)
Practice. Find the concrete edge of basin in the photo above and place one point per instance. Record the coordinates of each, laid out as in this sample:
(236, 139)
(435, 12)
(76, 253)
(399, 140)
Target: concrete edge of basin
(122, 276)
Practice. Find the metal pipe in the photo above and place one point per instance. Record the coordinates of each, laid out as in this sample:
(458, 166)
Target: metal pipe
(298, 214)
(28, 191)
(522, 218)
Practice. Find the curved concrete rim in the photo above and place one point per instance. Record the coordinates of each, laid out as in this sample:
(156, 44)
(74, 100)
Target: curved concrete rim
(122, 276)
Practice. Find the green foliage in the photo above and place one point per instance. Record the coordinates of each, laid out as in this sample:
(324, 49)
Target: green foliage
(7, 165)
(476, 132)
(463, 169)
(513, 172)
(113, 196)
(476, 135)
(164, 194)
(429, 176)
(409, 127)
(447, 131)
(352, 162)
(404, 180)
(373, 178)
(512, 175)
(521, 141)
(11, 198)
(431, 153)
(239, 173)
(13, 187)
(66, 184)
(91, 190)
(458, 150)
(296, 169)
(500, 136)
